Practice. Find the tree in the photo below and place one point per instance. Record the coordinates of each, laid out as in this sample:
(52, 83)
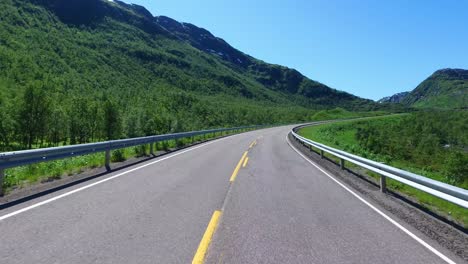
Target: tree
(7, 126)
(455, 168)
(34, 114)
(80, 121)
(58, 124)
(132, 124)
(112, 121)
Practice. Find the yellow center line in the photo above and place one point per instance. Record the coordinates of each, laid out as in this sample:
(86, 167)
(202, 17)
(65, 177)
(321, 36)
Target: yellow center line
(253, 144)
(236, 170)
(245, 162)
(199, 257)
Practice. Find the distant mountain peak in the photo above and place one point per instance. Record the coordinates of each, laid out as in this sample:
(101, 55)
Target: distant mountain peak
(204, 40)
(445, 88)
(453, 73)
(141, 10)
(396, 98)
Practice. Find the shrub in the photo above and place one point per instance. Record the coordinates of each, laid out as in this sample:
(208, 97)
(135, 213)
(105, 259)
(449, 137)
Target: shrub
(118, 156)
(456, 167)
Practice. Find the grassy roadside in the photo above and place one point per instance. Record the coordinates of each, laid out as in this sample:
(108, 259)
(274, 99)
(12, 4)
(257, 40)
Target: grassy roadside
(343, 135)
(19, 177)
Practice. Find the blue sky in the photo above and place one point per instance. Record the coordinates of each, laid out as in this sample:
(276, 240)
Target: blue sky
(370, 48)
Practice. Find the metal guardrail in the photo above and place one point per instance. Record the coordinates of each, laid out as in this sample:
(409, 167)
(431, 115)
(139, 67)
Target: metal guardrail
(26, 157)
(439, 189)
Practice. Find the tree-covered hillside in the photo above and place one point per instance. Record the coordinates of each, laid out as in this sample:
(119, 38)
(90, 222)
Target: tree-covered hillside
(445, 89)
(74, 71)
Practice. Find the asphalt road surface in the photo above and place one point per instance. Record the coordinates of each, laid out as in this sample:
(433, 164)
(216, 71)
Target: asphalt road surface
(273, 206)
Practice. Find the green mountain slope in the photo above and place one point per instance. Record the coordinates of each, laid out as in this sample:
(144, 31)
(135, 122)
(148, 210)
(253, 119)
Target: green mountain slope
(74, 71)
(445, 89)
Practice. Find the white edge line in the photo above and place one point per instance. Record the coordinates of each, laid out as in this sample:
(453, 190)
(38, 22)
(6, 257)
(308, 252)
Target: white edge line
(419, 240)
(105, 180)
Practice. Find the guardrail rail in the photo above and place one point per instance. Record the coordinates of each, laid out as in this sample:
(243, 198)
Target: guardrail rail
(439, 189)
(27, 157)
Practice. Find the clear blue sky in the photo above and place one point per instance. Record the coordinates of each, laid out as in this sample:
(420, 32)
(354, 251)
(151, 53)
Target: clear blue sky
(371, 48)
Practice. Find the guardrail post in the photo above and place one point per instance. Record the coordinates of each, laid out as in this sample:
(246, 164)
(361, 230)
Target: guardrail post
(383, 183)
(152, 149)
(321, 154)
(2, 176)
(342, 164)
(108, 157)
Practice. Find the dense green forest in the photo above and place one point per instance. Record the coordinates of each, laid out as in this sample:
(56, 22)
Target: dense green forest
(112, 72)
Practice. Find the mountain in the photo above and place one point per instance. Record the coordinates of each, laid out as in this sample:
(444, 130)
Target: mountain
(445, 89)
(83, 70)
(273, 77)
(396, 98)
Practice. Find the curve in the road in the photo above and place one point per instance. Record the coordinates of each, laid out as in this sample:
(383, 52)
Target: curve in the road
(278, 209)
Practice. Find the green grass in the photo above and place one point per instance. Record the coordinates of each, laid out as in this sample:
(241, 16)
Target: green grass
(342, 135)
(340, 113)
(26, 175)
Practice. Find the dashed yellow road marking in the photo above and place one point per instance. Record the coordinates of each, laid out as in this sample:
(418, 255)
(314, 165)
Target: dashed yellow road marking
(253, 144)
(199, 257)
(236, 170)
(245, 162)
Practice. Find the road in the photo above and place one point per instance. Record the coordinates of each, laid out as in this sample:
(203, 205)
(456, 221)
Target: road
(278, 208)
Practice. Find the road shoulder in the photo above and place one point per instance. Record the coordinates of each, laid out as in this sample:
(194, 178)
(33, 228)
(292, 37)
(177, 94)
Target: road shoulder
(450, 239)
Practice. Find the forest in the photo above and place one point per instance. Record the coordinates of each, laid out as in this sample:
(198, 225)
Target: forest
(36, 119)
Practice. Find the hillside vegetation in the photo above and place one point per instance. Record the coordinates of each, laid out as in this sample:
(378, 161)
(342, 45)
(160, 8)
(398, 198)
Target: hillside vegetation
(429, 143)
(445, 89)
(340, 113)
(80, 71)
(433, 142)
